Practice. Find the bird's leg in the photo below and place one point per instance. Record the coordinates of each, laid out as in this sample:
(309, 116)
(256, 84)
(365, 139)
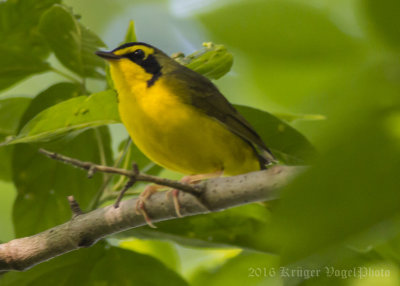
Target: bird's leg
(151, 189)
(140, 204)
(192, 179)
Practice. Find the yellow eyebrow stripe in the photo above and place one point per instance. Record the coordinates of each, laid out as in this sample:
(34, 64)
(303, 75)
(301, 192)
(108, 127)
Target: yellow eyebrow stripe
(147, 50)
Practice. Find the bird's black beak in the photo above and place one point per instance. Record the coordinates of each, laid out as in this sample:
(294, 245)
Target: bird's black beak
(107, 55)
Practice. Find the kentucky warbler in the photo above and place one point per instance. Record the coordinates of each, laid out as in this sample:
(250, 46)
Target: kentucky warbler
(178, 118)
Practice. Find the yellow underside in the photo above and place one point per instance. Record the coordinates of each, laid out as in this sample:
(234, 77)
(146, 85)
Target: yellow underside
(177, 136)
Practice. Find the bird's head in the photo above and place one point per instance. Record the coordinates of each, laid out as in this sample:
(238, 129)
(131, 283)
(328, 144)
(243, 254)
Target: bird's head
(136, 62)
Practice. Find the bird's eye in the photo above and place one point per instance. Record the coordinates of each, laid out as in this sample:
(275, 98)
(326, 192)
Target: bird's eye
(136, 56)
(139, 54)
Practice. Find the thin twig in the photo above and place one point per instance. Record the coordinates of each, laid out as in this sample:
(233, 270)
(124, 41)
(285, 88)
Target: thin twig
(75, 208)
(139, 177)
(103, 189)
(129, 184)
(126, 157)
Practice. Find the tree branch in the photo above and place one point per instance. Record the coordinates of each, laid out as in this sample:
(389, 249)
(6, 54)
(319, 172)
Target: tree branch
(84, 230)
(134, 175)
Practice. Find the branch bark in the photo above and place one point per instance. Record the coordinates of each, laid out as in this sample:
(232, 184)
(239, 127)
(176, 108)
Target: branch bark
(83, 230)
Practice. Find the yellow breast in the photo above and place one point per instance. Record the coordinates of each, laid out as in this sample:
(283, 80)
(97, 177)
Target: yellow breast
(176, 135)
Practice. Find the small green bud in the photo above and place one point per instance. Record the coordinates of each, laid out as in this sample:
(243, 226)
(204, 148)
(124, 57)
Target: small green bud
(213, 61)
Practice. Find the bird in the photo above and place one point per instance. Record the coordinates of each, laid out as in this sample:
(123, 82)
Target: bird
(179, 119)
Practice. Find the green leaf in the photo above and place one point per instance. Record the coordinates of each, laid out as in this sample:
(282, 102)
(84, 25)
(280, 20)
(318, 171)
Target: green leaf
(130, 35)
(232, 227)
(46, 191)
(51, 96)
(161, 250)
(20, 19)
(73, 43)
(71, 115)
(5, 161)
(17, 66)
(7, 196)
(352, 188)
(41, 182)
(250, 269)
(383, 19)
(21, 48)
(213, 61)
(289, 53)
(287, 144)
(289, 31)
(11, 110)
(98, 265)
(293, 117)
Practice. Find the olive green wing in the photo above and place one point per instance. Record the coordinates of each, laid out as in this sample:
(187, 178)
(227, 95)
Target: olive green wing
(205, 96)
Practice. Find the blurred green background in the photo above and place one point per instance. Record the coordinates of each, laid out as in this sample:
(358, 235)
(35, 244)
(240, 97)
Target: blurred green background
(332, 68)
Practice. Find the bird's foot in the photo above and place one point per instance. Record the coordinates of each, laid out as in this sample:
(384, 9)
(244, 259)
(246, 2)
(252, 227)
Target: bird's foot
(143, 197)
(192, 179)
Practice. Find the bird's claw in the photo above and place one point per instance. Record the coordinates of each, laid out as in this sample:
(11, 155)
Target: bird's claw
(140, 203)
(177, 206)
